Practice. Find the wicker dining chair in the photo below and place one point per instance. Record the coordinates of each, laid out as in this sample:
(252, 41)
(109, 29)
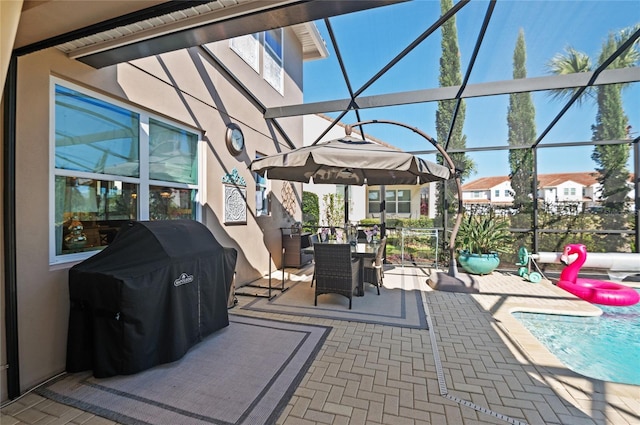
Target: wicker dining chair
(335, 271)
(373, 271)
(313, 240)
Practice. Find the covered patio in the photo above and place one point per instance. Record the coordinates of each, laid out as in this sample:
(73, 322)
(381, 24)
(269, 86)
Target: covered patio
(473, 362)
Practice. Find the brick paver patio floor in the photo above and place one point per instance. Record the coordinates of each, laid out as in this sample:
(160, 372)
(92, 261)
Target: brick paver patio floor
(476, 364)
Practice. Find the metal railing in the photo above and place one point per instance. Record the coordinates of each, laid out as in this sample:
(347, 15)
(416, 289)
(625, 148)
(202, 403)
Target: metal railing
(418, 246)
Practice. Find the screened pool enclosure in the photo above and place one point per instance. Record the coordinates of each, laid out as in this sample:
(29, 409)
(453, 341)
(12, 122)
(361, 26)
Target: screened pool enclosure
(513, 89)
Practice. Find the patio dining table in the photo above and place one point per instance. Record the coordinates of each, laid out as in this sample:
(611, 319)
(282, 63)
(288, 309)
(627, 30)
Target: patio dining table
(362, 251)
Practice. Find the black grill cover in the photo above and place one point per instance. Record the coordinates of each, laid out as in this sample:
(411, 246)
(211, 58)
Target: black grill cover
(159, 288)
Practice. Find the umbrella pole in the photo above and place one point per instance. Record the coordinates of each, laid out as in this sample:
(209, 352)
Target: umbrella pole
(383, 211)
(346, 204)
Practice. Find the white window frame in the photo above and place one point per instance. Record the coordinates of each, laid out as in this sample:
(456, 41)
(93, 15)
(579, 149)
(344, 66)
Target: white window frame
(273, 64)
(248, 48)
(378, 202)
(399, 202)
(143, 182)
(395, 202)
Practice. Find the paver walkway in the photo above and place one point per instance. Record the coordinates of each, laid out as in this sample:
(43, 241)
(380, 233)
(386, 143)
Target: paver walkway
(475, 364)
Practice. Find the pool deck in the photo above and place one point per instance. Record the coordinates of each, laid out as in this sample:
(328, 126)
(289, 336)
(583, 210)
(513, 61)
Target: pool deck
(476, 364)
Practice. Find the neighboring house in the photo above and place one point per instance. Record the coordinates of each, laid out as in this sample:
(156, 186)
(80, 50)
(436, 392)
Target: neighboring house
(148, 138)
(403, 201)
(569, 187)
(579, 188)
(488, 190)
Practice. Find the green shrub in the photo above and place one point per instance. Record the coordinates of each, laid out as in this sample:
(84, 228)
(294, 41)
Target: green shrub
(310, 211)
(413, 223)
(407, 223)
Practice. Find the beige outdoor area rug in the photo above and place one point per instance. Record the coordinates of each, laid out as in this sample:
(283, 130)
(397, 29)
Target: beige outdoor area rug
(243, 374)
(399, 302)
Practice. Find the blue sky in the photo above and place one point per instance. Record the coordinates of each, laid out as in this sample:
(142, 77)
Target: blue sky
(369, 40)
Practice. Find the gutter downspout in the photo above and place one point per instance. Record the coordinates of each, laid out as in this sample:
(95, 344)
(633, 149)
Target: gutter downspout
(9, 228)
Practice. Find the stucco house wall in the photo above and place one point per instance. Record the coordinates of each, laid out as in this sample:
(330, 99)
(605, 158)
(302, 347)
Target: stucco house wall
(184, 86)
(470, 195)
(569, 191)
(504, 193)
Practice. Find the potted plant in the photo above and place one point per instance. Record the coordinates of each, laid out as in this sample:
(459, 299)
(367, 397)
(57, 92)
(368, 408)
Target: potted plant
(481, 237)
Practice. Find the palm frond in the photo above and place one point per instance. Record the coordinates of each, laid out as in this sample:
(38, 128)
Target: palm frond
(631, 56)
(571, 61)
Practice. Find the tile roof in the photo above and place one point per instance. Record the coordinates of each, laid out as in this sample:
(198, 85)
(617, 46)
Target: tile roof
(552, 180)
(485, 183)
(585, 178)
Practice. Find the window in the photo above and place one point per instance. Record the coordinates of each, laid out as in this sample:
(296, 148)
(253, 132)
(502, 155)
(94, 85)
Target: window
(374, 201)
(390, 201)
(262, 193)
(476, 194)
(248, 48)
(496, 193)
(396, 201)
(112, 163)
(273, 71)
(403, 198)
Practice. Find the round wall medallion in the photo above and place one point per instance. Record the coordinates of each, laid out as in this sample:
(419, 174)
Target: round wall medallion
(234, 139)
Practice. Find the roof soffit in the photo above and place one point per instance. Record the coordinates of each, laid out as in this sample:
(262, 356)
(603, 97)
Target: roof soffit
(232, 19)
(42, 20)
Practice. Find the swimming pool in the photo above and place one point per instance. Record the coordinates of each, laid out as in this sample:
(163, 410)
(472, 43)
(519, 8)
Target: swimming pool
(606, 347)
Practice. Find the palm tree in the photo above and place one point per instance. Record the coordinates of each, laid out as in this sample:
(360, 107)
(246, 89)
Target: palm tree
(572, 61)
(611, 121)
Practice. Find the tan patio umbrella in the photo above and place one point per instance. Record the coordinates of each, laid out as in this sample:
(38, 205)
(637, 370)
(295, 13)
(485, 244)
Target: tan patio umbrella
(350, 161)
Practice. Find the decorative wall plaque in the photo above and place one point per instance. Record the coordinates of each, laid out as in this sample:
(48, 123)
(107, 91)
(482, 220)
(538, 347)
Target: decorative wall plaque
(288, 198)
(235, 198)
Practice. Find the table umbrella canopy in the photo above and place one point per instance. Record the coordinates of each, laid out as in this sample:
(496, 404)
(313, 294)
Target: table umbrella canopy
(350, 161)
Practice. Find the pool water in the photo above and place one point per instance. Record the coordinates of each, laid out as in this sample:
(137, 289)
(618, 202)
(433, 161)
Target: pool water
(606, 347)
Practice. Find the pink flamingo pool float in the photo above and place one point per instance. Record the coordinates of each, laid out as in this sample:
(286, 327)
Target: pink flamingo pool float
(594, 291)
